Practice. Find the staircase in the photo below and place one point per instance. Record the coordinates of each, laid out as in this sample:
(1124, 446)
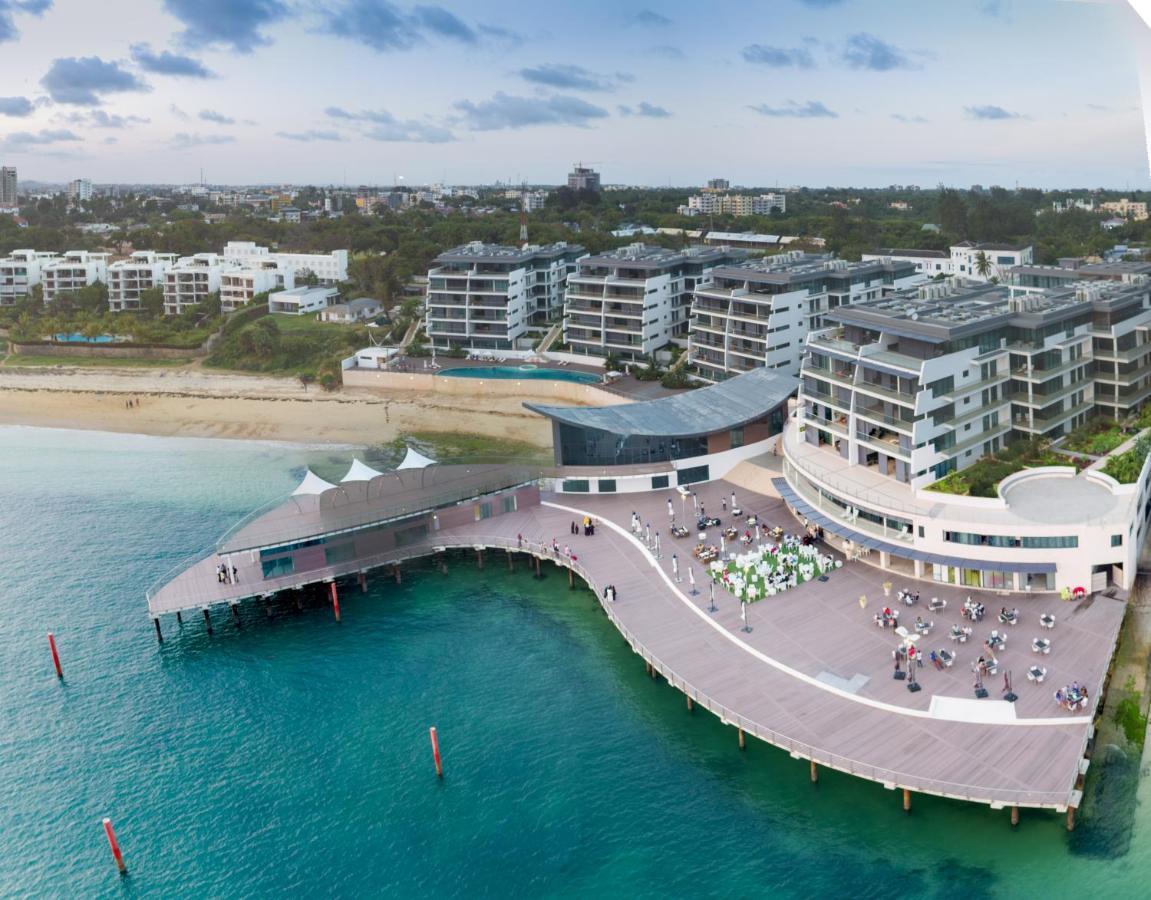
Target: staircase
(550, 338)
(412, 331)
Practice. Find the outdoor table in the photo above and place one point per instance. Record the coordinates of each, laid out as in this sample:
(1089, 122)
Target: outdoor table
(1047, 621)
(1041, 645)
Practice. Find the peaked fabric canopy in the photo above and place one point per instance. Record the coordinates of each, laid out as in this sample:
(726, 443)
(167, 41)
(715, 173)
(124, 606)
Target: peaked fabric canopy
(413, 459)
(312, 484)
(360, 472)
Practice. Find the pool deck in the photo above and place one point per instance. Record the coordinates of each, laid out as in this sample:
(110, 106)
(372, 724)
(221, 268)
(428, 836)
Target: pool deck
(813, 676)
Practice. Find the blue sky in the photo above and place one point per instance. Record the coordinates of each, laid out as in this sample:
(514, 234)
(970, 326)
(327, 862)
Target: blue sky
(817, 92)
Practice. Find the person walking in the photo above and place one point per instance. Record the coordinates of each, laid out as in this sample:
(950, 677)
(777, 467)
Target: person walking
(675, 567)
(670, 510)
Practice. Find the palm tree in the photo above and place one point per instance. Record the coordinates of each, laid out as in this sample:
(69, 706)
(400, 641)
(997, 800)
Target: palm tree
(983, 264)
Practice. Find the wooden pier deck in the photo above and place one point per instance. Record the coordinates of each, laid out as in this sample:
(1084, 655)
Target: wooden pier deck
(814, 675)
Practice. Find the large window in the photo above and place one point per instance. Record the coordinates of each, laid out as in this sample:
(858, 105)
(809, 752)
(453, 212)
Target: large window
(274, 568)
(339, 554)
(411, 535)
(693, 475)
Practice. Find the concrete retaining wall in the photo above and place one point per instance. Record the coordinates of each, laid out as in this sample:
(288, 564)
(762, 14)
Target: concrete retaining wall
(105, 351)
(528, 389)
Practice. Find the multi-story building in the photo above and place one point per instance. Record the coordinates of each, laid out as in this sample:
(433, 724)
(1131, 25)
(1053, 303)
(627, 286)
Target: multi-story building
(760, 312)
(74, 270)
(19, 273)
(141, 271)
(302, 300)
(637, 299)
(8, 185)
(582, 178)
(718, 184)
(1128, 209)
(80, 190)
(329, 268)
(238, 287)
(906, 390)
(709, 203)
(487, 296)
(1072, 270)
(969, 260)
(191, 281)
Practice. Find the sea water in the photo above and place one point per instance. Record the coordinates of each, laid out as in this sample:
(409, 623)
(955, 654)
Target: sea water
(290, 756)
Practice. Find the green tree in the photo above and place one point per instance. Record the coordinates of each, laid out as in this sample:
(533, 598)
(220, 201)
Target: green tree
(152, 302)
(982, 264)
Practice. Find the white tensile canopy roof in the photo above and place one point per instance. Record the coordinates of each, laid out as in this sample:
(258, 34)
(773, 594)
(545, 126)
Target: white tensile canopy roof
(312, 484)
(413, 459)
(360, 472)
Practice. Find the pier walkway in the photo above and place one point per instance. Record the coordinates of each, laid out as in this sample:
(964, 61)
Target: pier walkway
(813, 676)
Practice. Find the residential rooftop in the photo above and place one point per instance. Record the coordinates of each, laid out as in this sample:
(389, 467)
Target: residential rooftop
(478, 251)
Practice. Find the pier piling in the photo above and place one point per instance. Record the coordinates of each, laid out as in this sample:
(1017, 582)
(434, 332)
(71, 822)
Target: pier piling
(444, 563)
(396, 573)
(236, 614)
(55, 655)
(363, 583)
(207, 623)
(115, 847)
(690, 705)
(179, 618)
(742, 739)
(436, 752)
(1014, 816)
(159, 633)
(906, 800)
(479, 558)
(571, 578)
(1071, 818)
(511, 563)
(538, 575)
(335, 600)
(814, 773)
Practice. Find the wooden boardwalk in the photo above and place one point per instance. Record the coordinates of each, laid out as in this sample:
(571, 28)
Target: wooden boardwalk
(813, 676)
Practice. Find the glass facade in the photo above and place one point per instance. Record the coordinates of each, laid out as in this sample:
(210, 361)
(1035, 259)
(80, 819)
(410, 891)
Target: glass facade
(593, 447)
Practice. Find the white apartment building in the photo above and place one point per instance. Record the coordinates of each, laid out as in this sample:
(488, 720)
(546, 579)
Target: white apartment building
(982, 262)
(906, 390)
(329, 268)
(127, 278)
(74, 270)
(191, 280)
(487, 296)
(302, 300)
(759, 313)
(20, 271)
(80, 190)
(238, 287)
(637, 299)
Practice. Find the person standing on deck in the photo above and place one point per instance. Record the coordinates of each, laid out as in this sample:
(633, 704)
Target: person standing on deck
(670, 510)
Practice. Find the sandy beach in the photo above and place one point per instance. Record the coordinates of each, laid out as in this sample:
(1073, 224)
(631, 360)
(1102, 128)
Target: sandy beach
(198, 403)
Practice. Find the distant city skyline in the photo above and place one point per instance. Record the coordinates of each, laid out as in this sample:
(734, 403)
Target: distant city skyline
(814, 92)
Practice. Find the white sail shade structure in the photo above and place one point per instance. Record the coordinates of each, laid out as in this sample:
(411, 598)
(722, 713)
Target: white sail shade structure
(413, 459)
(312, 484)
(360, 472)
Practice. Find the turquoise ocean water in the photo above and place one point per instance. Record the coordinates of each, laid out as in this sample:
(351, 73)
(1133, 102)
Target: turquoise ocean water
(291, 757)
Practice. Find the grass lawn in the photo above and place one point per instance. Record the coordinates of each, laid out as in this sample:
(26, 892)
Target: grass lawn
(93, 362)
(449, 446)
(982, 479)
(1096, 438)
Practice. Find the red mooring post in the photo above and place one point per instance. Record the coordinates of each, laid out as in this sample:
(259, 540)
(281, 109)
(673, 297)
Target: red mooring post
(335, 600)
(55, 655)
(436, 752)
(112, 842)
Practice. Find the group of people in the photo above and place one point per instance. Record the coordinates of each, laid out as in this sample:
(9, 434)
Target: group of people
(609, 593)
(886, 618)
(588, 526)
(132, 403)
(1072, 696)
(973, 610)
(226, 574)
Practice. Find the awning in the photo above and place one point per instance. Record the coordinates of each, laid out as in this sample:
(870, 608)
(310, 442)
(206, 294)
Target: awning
(835, 526)
(360, 472)
(312, 484)
(413, 459)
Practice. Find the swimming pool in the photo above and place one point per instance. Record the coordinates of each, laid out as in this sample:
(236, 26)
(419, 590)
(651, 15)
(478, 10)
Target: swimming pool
(77, 338)
(522, 373)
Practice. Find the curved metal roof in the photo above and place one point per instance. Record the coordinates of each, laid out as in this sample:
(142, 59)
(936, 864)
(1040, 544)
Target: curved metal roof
(718, 407)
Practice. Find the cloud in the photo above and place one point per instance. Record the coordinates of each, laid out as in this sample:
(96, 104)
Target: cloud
(210, 115)
(166, 63)
(384, 26)
(179, 113)
(36, 141)
(309, 135)
(665, 51)
(572, 78)
(778, 57)
(82, 81)
(182, 140)
(866, 51)
(386, 127)
(993, 8)
(821, 4)
(646, 110)
(237, 24)
(99, 118)
(812, 109)
(8, 11)
(649, 19)
(507, 111)
(17, 107)
(909, 120)
(991, 113)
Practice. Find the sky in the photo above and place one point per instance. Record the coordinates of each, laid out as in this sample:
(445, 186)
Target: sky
(861, 93)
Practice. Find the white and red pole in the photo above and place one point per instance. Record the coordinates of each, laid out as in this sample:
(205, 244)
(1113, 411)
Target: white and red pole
(114, 844)
(55, 655)
(335, 600)
(436, 752)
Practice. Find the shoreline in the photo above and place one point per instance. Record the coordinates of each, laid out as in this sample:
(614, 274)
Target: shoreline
(193, 403)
